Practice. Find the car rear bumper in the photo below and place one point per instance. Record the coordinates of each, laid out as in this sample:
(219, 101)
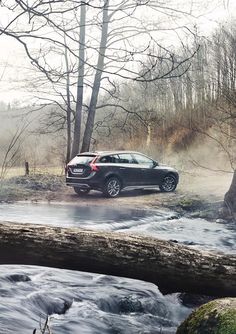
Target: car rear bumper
(81, 183)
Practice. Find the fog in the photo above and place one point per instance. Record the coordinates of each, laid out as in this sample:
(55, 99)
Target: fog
(204, 167)
(147, 117)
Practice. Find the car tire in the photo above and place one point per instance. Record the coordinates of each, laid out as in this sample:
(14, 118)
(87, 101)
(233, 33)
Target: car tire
(112, 187)
(168, 184)
(81, 191)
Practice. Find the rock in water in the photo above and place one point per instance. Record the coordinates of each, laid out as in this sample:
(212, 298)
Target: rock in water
(215, 317)
(18, 278)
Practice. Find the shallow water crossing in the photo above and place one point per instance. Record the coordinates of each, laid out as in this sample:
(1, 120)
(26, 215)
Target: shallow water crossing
(89, 303)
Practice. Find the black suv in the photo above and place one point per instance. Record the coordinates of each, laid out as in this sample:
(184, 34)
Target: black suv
(111, 172)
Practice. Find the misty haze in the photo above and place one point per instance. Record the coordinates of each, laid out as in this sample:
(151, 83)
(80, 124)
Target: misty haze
(155, 80)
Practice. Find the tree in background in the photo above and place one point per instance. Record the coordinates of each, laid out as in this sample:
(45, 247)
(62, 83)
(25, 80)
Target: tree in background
(106, 41)
(12, 151)
(224, 46)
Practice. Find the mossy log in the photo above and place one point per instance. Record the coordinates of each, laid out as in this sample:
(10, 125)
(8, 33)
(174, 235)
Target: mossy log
(216, 317)
(173, 267)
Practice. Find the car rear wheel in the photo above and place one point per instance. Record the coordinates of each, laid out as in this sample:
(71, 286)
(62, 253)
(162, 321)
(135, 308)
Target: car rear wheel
(168, 184)
(112, 187)
(81, 191)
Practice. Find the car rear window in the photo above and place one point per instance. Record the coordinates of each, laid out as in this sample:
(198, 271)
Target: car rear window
(84, 159)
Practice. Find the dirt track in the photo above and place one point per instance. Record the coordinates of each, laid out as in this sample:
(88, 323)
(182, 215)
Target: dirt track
(198, 194)
(205, 186)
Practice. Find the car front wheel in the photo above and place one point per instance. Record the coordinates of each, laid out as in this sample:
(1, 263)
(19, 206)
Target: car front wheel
(81, 191)
(168, 184)
(112, 187)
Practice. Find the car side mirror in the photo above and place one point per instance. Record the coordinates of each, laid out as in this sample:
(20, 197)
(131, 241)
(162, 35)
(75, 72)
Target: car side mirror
(155, 164)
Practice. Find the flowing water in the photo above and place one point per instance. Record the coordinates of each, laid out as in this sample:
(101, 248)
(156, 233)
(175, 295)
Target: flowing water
(81, 303)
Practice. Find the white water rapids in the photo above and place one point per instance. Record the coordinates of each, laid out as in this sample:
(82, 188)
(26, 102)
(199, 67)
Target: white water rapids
(81, 303)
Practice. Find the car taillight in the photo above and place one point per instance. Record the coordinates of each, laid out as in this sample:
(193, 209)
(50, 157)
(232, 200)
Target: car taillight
(94, 168)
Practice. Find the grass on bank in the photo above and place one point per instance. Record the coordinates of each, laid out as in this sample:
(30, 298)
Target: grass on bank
(24, 187)
(20, 171)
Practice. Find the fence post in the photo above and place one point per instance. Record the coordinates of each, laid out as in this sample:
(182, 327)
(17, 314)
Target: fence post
(26, 168)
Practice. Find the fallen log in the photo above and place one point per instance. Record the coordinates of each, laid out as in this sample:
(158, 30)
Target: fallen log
(171, 266)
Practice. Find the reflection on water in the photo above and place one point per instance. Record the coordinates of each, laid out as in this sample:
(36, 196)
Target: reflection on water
(161, 224)
(81, 303)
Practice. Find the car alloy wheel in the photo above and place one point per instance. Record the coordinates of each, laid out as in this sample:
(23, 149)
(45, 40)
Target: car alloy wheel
(112, 187)
(168, 184)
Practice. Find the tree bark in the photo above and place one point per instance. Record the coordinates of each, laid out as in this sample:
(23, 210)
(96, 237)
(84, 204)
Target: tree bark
(80, 82)
(173, 267)
(68, 105)
(230, 198)
(97, 81)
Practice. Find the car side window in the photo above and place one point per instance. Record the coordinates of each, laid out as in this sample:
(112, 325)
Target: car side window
(115, 159)
(109, 159)
(126, 158)
(105, 159)
(142, 160)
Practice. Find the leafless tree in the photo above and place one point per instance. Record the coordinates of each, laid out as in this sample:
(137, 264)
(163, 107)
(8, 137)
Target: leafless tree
(108, 46)
(12, 152)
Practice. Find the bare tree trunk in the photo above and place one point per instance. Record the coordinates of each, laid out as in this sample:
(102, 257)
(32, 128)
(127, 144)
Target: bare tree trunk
(173, 267)
(80, 82)
(230, 198)
(68, 128)
(149, 135)
(97, 81)
(189, 101)
(11, 155)
(68, 106)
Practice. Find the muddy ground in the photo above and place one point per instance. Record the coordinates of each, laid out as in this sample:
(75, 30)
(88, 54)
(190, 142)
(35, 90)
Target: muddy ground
(197, 195)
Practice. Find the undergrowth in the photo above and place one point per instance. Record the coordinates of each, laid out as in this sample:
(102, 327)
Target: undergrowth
(23, 187)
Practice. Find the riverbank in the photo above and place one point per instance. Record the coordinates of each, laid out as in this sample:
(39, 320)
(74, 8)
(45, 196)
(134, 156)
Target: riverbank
(50, 188)
(183, 203)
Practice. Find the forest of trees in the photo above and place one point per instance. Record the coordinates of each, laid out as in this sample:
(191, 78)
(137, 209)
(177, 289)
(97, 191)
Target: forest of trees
(103, 73)
(82, 51)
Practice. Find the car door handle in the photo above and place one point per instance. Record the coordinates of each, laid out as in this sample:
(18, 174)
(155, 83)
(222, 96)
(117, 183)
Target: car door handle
(121, 167)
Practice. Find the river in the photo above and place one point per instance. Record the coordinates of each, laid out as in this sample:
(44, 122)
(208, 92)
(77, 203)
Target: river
(81, 303)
